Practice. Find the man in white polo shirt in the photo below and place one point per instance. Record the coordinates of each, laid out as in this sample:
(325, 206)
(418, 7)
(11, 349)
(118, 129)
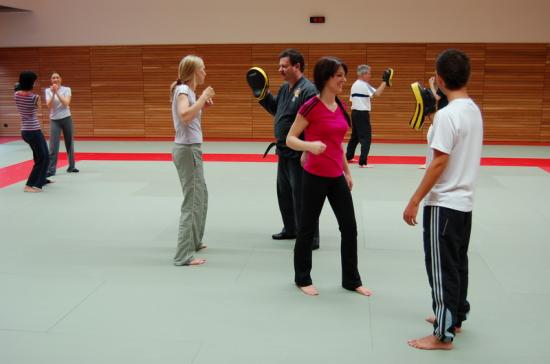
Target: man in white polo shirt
(361, 132)
(455, 141)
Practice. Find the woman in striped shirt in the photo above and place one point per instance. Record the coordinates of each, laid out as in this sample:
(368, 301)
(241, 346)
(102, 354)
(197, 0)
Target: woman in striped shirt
(27, 104)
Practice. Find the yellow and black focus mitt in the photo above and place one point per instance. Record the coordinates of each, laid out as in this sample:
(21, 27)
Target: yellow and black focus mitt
(425, 105)
(387, 76)
(258, 81)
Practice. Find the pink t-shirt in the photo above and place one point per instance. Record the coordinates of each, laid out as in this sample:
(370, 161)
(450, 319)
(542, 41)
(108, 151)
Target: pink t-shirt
(330, 128)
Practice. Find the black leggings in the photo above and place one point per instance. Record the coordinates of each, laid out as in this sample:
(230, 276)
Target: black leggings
(314, 191)
(35, 139)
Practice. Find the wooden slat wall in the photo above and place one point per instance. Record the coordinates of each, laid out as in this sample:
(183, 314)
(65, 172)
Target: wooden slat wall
(226, 66)
(512, 95)
(117, 91)
(545, 123)
(122, 91)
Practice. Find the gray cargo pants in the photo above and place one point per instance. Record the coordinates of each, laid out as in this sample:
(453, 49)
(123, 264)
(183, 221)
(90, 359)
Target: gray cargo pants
(188, 161)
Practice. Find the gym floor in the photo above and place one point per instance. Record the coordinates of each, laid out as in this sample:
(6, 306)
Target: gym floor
(86, 270)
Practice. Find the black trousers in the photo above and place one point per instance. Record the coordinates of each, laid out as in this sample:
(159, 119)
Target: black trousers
(361, 132)
(315, 190)
(446, 240)
(289, 194)
(35, 139)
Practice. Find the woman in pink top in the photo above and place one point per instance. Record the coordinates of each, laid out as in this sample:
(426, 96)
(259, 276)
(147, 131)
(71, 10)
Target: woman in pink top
(324, 122)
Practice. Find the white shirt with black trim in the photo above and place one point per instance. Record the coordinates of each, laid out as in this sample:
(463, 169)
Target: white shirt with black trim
(361, 93)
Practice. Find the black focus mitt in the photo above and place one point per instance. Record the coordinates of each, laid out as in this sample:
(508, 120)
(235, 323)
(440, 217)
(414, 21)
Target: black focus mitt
(425, 105)
(387, 76)
(258, 81)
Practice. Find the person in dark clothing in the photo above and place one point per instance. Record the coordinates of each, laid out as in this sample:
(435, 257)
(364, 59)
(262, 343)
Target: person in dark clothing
(293, 93)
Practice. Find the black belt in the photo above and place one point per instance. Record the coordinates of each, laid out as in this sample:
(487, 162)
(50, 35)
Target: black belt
(271, 145)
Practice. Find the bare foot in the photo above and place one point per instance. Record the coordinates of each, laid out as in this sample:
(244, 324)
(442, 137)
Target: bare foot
(431, 320)
(422, 166)
(197, 261)
(366, 166)
(429, 342)
(363, 290)
(32, 189)
(309, 290)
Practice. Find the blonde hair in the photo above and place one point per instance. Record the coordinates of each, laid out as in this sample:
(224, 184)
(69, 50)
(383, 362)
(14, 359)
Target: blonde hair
(187, 71)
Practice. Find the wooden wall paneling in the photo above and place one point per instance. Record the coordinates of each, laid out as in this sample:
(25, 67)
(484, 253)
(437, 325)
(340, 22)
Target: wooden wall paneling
(123, 91)
(226, 67)
(545, 122)
(12, 62)
(512, 102)
(160, 69)
(392, 111)
(351, 54)
(73, 64)
(266, 56)
(117, 91)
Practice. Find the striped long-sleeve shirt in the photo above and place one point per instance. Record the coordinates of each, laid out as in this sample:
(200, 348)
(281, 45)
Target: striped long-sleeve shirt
(26, 103)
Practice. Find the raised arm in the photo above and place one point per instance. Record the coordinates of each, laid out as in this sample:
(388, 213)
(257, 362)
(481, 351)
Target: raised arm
(380, 89)
(269, 103)
(53, 93)
(188, 112)
(65, 100)
(431, 81)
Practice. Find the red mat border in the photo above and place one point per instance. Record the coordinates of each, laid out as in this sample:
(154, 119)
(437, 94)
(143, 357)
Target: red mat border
(18, 172)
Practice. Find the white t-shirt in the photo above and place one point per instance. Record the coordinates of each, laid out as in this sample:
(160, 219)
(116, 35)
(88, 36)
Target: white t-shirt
(457, 130)
(192, 132)
(59, 111)
(361, 93)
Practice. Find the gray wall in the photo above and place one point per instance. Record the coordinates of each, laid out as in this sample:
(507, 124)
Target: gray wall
(126, 22)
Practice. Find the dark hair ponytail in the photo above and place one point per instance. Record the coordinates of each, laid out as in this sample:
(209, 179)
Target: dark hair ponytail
(341, 106)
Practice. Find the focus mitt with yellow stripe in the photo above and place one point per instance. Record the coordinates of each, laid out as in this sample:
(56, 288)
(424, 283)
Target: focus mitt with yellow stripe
(425, 105)
(258, 81)
(387, 76)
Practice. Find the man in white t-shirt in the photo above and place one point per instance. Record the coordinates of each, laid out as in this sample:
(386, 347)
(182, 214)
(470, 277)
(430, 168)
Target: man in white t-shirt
(455, 142)
(361, 132)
